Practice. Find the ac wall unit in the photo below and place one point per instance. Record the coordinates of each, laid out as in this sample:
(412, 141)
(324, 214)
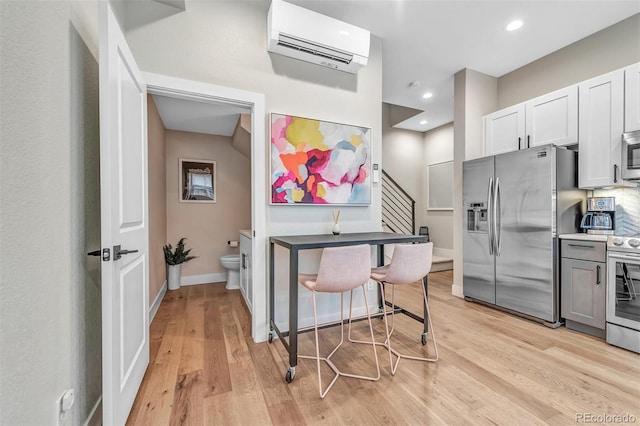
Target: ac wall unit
(312, 37)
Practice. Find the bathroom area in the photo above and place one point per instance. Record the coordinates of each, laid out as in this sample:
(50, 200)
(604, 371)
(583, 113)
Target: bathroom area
(199, 159)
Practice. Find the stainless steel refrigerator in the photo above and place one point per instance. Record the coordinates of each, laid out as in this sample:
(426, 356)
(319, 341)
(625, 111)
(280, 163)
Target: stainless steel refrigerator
(515, 206)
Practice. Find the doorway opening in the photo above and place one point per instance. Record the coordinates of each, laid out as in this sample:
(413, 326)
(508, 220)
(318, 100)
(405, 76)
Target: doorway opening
(224, 126)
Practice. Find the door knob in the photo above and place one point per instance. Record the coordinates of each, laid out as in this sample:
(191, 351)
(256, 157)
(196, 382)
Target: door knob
(95, 253)
(118, 252)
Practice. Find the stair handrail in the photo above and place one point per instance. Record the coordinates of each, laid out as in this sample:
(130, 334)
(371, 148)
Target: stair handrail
(397, 188)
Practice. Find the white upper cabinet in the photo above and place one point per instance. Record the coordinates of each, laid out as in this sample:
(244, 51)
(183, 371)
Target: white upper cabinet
(552, 118)
(504, 130)
(600, 130)
(632, 98)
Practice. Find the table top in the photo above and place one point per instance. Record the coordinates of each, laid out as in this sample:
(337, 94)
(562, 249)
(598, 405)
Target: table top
(330, 240)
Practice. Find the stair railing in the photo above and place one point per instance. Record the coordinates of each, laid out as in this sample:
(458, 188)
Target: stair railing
(398, 207)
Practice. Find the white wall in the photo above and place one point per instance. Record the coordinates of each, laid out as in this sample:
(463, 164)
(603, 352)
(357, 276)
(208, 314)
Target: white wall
(224, 43)
(607, 50)
(50, 331)
(438, 148)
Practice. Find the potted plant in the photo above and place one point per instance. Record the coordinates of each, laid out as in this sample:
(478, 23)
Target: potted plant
(174, 260)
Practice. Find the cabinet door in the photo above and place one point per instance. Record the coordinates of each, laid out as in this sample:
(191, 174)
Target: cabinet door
(552, 118)
(600, 131)
(504, 130)
(632, 98)
(249, 274)
(583, 292)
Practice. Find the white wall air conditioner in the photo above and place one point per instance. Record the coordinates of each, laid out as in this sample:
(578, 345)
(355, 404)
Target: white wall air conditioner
(312, 37)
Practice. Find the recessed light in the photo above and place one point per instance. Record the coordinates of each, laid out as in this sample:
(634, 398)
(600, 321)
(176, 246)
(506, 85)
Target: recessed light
(514, 25)
(423, 121)
(427, 95)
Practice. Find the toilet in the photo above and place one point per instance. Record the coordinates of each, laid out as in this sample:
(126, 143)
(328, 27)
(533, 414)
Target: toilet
(232, 263)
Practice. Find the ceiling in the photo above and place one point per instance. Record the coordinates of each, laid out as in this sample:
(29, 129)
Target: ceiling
(429, 41)
(199, 117)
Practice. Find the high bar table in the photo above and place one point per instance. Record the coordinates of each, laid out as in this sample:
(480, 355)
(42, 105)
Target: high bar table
(296, 243)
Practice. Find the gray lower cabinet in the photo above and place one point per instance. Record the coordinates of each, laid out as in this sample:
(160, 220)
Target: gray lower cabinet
(583, 286)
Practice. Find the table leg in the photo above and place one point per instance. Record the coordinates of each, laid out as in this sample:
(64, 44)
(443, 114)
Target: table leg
(293, 314)
(272, 286)
(425, 331)
(380, 253)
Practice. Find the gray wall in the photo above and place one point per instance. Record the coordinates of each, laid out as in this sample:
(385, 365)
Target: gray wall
(475, 95)
(402, 159)
(438, 148)
(607, 50)
(49, 213)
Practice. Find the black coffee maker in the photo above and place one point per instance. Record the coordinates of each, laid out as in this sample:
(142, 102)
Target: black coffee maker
(600, 216)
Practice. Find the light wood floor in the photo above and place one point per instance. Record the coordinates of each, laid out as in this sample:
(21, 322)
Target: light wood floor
(494, 368)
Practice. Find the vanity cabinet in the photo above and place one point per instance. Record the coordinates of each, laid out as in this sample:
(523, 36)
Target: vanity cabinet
(632, 98)
(601, 124)
(246, 284)
(551, 118)
(583, 285)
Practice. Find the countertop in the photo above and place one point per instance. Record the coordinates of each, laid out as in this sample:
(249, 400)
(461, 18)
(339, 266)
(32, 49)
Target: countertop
(246, 232)
(585, 237)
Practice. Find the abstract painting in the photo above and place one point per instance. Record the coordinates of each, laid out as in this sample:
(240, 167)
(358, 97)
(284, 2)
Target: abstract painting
(319, 162)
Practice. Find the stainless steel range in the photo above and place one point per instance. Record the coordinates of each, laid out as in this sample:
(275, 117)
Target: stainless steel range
(623, 292)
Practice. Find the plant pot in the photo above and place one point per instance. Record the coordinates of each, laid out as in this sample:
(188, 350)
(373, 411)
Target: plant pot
(173, 276)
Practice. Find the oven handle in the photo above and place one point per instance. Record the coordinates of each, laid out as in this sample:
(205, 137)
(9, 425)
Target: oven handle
(631, 257)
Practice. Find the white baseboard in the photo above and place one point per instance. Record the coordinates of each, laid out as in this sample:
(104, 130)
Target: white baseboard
(156, 303)
(95, 416)
(218, 277)
(443, 252)
(456, 290)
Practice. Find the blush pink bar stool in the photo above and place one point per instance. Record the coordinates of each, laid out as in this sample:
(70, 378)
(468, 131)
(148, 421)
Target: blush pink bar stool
(341, 269)
(410, 263)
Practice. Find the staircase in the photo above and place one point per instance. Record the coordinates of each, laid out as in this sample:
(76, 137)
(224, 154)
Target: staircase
(399, 215)
(398, 208)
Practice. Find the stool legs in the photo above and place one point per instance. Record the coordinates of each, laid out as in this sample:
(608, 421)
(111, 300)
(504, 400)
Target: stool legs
(387, 343)
(327, 359)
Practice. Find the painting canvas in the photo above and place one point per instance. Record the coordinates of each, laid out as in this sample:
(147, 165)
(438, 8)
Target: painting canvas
(197, 181)
(319, 162)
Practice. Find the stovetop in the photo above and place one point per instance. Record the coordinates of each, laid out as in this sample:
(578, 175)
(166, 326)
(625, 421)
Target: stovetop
(625, 244)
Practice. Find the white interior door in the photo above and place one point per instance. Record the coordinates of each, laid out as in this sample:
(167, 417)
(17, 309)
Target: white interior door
(123, 186)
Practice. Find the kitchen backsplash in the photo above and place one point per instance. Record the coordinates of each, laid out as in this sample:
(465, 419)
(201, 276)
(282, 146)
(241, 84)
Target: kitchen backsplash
(627, 209)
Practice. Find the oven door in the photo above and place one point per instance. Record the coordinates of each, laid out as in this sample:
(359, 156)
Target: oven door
(631, 155)
(623, 290)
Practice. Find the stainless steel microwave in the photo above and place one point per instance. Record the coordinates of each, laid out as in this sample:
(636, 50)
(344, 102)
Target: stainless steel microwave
(631, 155)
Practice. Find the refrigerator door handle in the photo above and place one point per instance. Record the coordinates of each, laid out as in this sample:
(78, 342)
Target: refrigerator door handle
(489, 215)
(497, 221)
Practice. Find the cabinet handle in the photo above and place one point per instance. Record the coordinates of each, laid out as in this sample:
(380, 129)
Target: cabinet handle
(615, 173)
(580, 245)
(528, 137)
(519, 143)
(244, 261)
(597, 274)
